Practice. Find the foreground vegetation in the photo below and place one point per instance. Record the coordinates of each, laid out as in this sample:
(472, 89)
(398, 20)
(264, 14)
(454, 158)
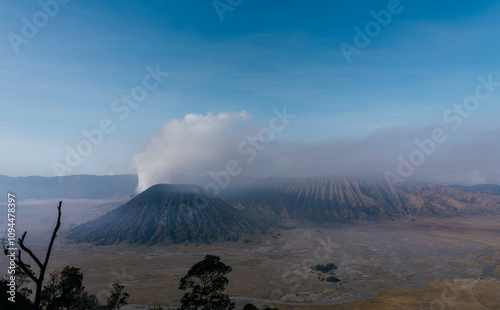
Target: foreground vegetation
(205, 284)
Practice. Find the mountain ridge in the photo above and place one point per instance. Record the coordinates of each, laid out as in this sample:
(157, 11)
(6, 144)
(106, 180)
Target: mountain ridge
(71, 187)
(176, 213)
(353, 199)
(484, 188)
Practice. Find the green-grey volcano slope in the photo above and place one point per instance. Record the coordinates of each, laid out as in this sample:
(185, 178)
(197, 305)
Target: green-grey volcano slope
(167, 213)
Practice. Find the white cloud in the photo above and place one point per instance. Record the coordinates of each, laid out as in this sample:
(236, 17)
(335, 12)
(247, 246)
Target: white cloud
(188, 146)
(199, 144)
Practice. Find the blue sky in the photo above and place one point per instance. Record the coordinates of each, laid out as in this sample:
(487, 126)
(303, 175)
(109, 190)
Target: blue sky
(260, 56)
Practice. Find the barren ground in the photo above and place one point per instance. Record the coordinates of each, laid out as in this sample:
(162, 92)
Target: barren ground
(423, 264)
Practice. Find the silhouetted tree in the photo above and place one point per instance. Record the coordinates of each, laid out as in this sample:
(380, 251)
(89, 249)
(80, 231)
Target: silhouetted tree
(207, 282)
(88, 302)
(117, 297)
(65, 290)
(42, 266)
(21, 301)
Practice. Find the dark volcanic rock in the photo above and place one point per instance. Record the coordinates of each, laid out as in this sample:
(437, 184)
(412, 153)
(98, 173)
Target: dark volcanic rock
(168, 214)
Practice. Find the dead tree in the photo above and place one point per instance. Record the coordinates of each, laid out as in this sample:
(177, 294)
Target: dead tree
(43, 266)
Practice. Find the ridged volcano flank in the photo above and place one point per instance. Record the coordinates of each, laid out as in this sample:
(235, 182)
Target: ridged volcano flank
(354, 199)
(167, 213)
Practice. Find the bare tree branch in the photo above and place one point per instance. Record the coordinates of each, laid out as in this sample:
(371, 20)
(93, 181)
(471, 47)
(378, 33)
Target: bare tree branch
(24, 248)
(54, 235)
(43, 266)
(25, 268)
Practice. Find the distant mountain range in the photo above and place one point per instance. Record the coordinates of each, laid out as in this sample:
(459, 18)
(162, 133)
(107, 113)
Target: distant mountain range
(121, 186)
(178, 213)
(484, 188)
(70, 187)
(167, 213)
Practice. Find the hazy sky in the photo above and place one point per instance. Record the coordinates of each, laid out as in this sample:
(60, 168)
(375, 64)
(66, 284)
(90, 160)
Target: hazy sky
(363, 79)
